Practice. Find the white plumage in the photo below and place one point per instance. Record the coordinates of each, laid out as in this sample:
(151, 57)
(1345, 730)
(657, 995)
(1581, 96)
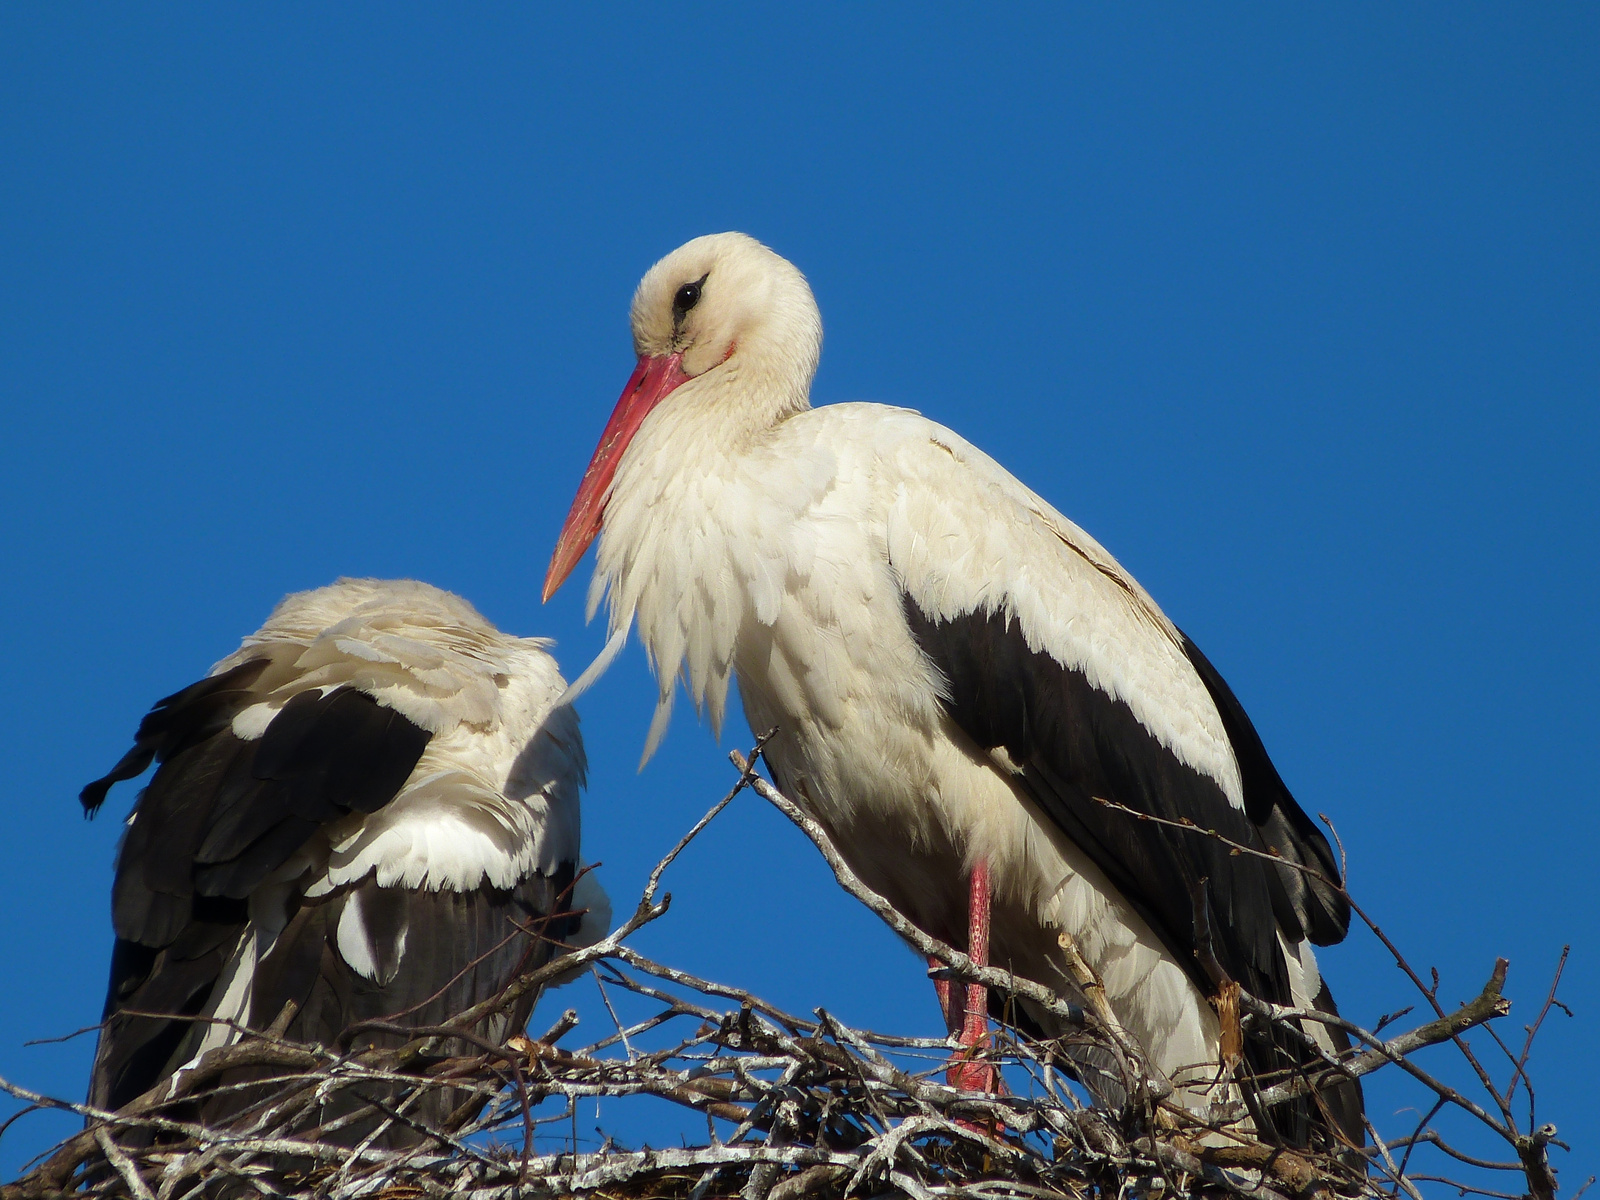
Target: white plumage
(494, 797)
(377, 773)
(956, 669)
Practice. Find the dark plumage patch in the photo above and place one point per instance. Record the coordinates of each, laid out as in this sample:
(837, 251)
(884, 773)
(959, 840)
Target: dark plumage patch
(1323, 911)
(339, 752)
(437, 952)
(198, 711)
(1074, 744)
(137, 1050)
(220, 815)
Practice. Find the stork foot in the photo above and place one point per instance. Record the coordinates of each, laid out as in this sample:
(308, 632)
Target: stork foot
(969, 1069)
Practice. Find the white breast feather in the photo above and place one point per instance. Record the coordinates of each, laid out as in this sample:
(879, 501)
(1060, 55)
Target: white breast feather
(701, 553)
(837, 507)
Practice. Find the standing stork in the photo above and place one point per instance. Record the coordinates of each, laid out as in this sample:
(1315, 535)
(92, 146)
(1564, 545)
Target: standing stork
(369, 809)
(970, 691)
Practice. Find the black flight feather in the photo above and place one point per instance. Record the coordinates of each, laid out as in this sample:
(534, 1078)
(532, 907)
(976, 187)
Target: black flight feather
(1077, 746)
(221, 814)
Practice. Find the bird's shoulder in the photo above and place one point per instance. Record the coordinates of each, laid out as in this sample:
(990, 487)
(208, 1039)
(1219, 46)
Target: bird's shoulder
(965, 533)
(965, 540)
(423, 653)
(914, 459)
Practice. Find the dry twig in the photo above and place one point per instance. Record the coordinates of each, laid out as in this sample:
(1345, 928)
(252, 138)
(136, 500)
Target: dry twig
(808, 1106)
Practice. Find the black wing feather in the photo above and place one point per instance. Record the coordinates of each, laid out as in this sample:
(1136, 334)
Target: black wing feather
(196, 712)
(338, 752)
(220, 815)
(438, 953)
(1324, 911)
(1078, 746)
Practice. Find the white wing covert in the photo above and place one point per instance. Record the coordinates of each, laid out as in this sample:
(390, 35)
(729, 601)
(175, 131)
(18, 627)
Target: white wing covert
(1049, 652)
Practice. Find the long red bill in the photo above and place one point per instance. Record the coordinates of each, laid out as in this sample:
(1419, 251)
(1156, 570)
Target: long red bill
(650, 383)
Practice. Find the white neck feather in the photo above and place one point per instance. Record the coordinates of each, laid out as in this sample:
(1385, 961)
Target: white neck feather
(693, 543)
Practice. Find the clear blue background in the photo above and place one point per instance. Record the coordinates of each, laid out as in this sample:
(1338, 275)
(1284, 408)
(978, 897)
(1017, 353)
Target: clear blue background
(1296, 311)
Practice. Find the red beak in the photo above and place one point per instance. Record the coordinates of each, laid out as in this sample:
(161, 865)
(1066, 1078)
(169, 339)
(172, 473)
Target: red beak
(652, 380)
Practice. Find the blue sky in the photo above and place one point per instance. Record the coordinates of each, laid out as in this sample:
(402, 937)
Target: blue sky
(1295, 310)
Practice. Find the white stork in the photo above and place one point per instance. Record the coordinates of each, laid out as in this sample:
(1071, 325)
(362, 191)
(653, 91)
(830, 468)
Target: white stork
(355, 810)
(960, 675)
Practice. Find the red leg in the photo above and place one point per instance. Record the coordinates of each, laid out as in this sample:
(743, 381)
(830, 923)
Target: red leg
(974, 1021)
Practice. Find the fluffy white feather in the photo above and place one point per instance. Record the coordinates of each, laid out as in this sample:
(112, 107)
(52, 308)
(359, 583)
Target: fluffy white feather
(495, 795)
(748, 534)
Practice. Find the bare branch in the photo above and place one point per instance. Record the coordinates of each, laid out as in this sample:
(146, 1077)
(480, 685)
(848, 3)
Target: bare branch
(818, 1110)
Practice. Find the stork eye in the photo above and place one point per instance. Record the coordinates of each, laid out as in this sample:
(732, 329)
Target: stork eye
(687, 297)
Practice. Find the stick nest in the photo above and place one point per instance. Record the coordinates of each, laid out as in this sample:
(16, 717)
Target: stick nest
(791, 1106)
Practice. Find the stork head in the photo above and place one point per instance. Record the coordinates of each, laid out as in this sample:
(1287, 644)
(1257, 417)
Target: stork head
(731, 323)
(722, 294)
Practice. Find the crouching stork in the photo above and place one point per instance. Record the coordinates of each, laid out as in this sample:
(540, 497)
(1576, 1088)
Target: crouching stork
(370, 810)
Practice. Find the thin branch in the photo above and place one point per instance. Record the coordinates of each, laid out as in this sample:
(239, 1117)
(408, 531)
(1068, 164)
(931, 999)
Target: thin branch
(1533, 1031)
(1004, 982)
(1488, 1005)
(817, 1107)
